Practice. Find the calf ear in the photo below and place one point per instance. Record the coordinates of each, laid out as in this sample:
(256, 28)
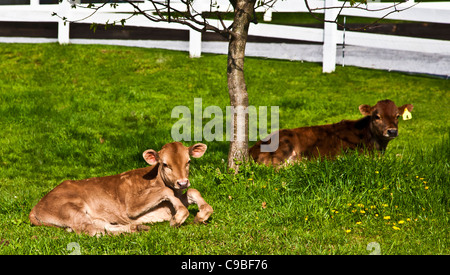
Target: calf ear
(197, 150)
(406, 106)
(366, 110)
(151, 156)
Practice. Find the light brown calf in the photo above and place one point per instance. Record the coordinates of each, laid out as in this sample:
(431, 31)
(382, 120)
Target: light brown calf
(374, 131)
(122, 203)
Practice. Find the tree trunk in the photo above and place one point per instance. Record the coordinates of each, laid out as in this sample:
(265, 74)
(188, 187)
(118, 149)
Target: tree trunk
(237, 89)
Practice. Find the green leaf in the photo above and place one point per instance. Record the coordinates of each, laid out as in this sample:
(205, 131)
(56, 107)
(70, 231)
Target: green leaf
(93, 27)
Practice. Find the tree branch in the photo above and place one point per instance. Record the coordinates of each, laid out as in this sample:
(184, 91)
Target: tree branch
(166, 11)
(358, 6)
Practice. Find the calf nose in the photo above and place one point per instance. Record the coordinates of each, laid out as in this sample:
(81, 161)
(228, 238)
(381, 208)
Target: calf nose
(392, 132)
(183, 183)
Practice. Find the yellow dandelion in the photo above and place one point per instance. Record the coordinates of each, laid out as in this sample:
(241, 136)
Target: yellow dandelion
(396, 228)
(387, 217)
(425, 182)
(348, 231)
(360, 205)
(276, 189)
(408, 219)
(362, 211)
(421, 178)
(376, 215)
(354, 210)
(349, 204)
(401, 222)
(417, 177)
(372, 207)
(250, 179)
(358, 222)
(376, 172)
(384, 205)
(263, 186)
(332, 210)
(426, 187)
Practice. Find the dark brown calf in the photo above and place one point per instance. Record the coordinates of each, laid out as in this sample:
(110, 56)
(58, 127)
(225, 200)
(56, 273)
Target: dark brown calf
(374, 131)
(122, 203)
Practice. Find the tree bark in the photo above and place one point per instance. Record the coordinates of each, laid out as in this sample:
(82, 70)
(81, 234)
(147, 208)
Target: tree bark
(238, 152)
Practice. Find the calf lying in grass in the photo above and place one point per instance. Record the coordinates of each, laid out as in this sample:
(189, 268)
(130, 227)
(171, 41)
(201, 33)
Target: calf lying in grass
(122, 203)
(374, 131)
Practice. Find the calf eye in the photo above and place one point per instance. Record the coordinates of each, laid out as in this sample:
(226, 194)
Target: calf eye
(377, 117)
(165, 165)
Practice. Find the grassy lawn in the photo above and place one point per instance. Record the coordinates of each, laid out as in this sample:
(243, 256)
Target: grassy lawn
(73, 112)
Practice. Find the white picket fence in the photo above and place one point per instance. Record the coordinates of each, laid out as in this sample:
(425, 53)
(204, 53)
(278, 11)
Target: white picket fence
(330, 36)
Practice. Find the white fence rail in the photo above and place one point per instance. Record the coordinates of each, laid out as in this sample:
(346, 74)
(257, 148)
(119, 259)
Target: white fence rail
(330, 36)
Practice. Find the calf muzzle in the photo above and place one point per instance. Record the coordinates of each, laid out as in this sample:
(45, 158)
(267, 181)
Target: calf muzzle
(183, 183)
(392, 133)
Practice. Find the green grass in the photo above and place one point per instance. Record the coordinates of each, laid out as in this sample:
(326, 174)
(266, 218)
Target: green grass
(73, 112)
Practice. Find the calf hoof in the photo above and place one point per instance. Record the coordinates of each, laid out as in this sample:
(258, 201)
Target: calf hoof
(142, 227)
(179, 218)
(202, 216)
(174, 223)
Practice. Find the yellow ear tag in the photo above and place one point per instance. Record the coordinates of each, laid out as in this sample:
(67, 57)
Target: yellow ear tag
(406, 114)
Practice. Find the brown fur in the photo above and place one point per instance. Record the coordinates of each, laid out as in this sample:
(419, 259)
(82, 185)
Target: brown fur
(122, 203)
(374, 131)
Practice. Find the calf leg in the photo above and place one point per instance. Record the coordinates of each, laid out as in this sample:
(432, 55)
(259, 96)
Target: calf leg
(205, 210)
(142, 205)
(69, 215)
(181, 212)
(115, 229)
(79, 220)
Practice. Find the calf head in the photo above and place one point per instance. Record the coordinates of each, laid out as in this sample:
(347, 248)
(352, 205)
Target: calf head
(384, 118)
(173, 160)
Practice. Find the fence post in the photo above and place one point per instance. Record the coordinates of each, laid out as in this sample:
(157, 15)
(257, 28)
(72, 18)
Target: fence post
(63, 27)
(195, 43)
(329, 37)
(268, 15)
